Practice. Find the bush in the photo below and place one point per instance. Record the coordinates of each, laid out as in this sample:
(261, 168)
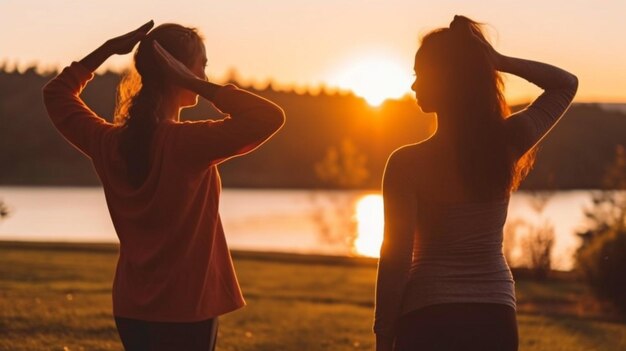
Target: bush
(537, 248)
(532, 243)
(602, 255)
(603, 264)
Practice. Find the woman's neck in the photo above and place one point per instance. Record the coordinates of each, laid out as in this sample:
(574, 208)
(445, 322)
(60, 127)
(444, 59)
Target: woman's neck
(446, 129)
(171, 110)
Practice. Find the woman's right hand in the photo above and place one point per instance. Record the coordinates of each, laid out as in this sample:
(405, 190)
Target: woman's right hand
(119, 45)
(124, 44)
(174, 69)
(495, 57)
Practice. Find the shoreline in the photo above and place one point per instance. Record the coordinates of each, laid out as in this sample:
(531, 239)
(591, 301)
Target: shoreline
(272, 256)
(251, 255)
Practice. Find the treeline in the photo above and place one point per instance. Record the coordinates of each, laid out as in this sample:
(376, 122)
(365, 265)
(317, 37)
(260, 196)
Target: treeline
(575, 156)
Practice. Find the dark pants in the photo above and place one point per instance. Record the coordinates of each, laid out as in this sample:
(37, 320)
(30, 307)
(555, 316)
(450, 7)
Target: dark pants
(138, 335)
(458, 326)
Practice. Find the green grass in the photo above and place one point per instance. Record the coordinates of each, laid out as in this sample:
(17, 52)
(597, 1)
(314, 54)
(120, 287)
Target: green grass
(57, 297)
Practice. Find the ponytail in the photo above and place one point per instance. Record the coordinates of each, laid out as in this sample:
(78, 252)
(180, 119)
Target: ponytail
(141, 94)
(138, 131)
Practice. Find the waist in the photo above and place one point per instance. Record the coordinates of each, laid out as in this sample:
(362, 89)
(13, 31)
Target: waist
(431, 284)
(459, 263)
(457, 250)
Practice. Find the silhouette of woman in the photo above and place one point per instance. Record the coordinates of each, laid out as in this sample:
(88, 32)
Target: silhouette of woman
(174, 274)
(443, 282)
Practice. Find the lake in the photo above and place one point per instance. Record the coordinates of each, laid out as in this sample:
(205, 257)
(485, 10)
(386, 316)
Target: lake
(301, 221)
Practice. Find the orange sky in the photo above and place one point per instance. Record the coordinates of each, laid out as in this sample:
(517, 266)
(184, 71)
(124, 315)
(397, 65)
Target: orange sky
(312, 42)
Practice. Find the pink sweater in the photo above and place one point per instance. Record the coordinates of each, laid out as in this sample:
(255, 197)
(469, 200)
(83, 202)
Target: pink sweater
(174, 263)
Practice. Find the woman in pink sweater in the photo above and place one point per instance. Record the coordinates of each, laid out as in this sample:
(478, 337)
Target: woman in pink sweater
(174, 274)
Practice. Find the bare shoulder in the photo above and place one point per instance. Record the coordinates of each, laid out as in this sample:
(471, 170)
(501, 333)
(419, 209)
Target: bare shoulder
(403, 164)
(406, 156)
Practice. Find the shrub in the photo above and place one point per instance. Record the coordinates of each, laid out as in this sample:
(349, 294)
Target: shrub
(601, 257)
(537, 248)
(603, 264)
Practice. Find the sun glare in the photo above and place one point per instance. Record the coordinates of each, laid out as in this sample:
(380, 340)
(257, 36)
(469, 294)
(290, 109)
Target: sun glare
(370, 223)
(375, 79)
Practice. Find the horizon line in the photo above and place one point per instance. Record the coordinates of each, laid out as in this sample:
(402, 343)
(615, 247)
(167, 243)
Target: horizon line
(232, 76)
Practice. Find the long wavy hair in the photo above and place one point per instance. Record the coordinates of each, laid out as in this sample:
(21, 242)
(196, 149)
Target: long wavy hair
(141, 94)
(472, 93)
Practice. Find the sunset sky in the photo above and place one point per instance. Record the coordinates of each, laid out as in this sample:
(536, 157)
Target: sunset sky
(364, 45)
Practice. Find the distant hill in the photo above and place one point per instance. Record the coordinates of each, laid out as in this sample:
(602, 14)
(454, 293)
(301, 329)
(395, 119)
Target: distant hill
(574, 156)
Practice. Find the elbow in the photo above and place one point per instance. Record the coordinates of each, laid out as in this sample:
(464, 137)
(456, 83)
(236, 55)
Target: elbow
(573, 84)
(48, 92)
(276, 118)
(567, 88)
(279, 117)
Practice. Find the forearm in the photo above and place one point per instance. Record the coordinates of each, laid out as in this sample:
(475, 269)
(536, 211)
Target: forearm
(527, 127)
(396, 252)
(390, 286)
(69, 114)
(251, 121)
(204, 88)
(96, 58)
(247, 111)
(542, 74)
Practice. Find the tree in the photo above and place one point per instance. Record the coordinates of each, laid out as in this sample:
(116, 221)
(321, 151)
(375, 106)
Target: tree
(535, 237)
(537, 247)
(344, 167)
(609, 205)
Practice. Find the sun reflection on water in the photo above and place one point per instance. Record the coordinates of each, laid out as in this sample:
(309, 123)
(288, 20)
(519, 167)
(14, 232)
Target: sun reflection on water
(370, 223)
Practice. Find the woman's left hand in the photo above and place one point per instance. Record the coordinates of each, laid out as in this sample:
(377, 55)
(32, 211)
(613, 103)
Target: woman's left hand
(125, 43)
(495, 57)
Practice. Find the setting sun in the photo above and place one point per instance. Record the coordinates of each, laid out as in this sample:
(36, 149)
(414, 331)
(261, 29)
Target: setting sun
(370, 219)
(375, 79)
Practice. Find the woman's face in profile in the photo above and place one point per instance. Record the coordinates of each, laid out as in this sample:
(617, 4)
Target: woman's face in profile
(424, 85)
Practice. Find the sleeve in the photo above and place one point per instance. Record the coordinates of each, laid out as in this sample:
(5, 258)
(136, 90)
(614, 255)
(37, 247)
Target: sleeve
(397, 249)
(78, 124)
(251, 121)
(526, 128)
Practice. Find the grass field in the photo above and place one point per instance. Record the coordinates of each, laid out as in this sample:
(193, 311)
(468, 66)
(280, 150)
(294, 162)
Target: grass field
(57, 297)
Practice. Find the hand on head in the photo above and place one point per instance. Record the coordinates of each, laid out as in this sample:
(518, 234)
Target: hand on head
(495, 57)
(124, 44)
(462, 24)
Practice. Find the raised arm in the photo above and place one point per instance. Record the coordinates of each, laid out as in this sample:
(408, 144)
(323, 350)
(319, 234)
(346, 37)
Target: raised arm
(397, 249)
(78, 124)
(250, 122)
(527, 127)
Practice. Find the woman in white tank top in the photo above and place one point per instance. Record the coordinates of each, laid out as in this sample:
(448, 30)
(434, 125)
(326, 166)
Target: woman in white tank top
(443, 282)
